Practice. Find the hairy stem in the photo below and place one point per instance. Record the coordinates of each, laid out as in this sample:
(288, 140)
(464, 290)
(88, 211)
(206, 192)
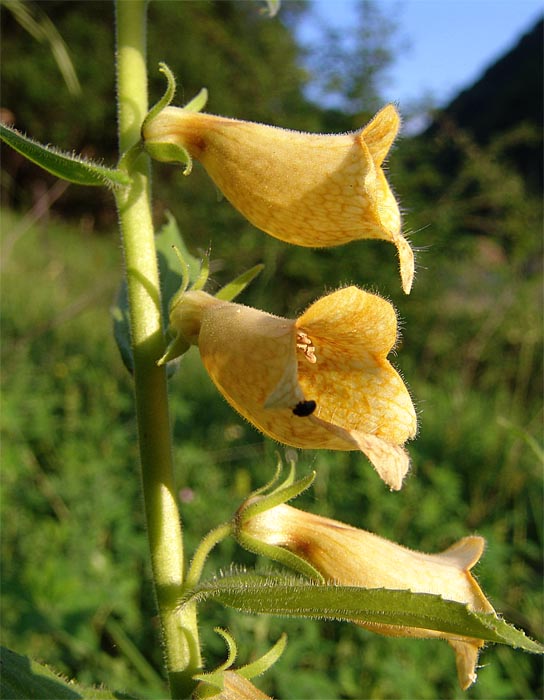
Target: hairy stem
(179, 629)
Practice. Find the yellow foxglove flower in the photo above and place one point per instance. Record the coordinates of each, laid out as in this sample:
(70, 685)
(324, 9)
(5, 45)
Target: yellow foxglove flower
(313, 190)
(320, 381)
(353, 557)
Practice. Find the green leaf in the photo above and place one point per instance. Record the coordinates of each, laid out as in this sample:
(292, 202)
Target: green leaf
(24, 679)
(65, 166)
(288, 596)
(266, 661)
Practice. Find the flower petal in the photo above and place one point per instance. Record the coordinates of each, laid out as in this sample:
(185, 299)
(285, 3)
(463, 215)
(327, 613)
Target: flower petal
(466, 660)
(390, 461)
(380, 132)
(356, 322)
(358, 389)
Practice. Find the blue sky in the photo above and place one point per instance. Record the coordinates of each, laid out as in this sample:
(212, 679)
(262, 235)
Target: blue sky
(450, 42)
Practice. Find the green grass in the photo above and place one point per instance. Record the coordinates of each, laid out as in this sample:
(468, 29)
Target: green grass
(76, 589)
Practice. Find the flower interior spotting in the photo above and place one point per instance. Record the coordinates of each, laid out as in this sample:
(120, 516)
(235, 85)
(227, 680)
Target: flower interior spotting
(320, 381)
(314, 190)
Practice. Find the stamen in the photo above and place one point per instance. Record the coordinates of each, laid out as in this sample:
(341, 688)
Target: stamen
(305, 344)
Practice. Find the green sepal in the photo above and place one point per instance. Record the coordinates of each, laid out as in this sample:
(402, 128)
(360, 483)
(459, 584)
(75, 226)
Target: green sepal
(231, 290)
(168, 96)
(177, 347)
(279, 554)
(285, 492)
(266, 661)
(259, 502)
(289, 596)
(63, 165)
(268, 486)
(178, 268)
(23, 679)
(213, 682)
(120, 314)
(198, 102)
(203, 275)
(170, 153)
(232, 651)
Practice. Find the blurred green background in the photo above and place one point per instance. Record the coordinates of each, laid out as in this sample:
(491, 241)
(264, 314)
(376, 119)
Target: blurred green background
(76, 590)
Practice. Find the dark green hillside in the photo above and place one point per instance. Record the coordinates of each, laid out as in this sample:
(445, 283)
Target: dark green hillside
(508, 92)
(508, 100)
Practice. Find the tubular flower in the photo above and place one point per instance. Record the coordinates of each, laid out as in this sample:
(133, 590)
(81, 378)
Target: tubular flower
(313, 190)
(320, 381)
(353, 557)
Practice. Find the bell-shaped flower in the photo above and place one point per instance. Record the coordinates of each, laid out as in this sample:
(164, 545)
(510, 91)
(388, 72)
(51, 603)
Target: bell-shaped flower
(320, 381)
(315, 190)
(352, 557)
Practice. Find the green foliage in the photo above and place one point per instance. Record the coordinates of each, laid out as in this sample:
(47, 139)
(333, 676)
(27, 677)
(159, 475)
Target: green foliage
(73, 529)
(69, 444)
(76, 591)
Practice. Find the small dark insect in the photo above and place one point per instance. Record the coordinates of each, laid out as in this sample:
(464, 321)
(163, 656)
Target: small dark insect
(304, 408)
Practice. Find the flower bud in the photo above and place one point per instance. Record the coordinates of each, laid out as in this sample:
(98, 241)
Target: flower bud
(353, 557)
(315, 190)
(321, 381)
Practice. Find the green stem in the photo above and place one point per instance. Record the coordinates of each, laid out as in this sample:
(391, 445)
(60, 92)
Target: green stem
(179, 627)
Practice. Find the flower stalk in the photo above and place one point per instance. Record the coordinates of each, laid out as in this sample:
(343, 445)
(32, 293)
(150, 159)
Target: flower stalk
(179, 628)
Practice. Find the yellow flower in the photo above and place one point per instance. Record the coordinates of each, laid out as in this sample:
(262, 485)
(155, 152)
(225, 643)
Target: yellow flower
(353, 557)
(320, 381)
(313, 190)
